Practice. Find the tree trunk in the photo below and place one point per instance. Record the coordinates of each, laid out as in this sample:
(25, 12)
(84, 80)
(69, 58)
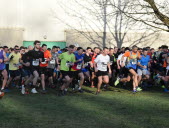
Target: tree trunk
(105, 24)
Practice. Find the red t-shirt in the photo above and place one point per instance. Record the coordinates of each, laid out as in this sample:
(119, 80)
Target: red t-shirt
(47, 55)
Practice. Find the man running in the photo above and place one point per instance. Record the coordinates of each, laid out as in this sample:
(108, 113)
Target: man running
(36, 57)
(67, 60)
(77, 67)
(101, 63)
(3, 59)
(131, 65)
(43, 66)
(143, 66)
(14, 63)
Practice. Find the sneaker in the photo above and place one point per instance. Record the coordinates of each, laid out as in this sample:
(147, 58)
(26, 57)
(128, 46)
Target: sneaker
(61, 93)
(98, 92)
(43, 91)
(34, 91)
(92, 86)
(134, 91)
(53, 86)
(13, 84)
(139, 89)
(6, 90)
(23, 90)
(117, 81)
(26, 91)
(81, 91)
(166, 90)
(163, 86)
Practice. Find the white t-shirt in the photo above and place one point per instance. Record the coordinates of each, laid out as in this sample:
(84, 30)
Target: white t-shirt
(102, 62)
(120, 57)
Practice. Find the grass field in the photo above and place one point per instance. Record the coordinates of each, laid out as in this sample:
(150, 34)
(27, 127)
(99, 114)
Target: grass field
(111, 109)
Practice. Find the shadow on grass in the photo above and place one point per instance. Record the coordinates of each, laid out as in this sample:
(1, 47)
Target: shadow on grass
(86, 110)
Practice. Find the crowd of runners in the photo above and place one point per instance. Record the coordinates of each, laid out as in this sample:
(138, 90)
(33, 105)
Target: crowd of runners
(34, 69)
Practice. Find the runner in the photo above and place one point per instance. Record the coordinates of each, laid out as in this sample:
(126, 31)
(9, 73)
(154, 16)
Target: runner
(67, 60)
(36, 57)
(124, 76)
(51, 67)
(132, 58)
(3, 59)
(87, 65)
(101, 63)
(94, 55)
(14, 63)
(143, 67)
(43, 66)
(77, 68)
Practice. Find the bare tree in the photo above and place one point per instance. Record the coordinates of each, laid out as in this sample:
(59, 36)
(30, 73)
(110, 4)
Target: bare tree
(104, 22)
(149, 12)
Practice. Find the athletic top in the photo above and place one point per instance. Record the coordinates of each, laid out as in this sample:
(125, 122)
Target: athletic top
(2, 65)
(102, 62)
(66, 61)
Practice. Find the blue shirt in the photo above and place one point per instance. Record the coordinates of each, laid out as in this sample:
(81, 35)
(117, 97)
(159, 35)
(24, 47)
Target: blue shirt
(78, 57)
(144, 61)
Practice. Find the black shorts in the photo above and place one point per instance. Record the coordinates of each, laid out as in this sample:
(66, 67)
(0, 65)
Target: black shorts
(49, 72)
(35, 69)
(124, 71)
(14, 73)
(76, 73)
(1, 71)
(102, 73)
(66, 73)
(128, 69)
(42, 70)
(26, 72)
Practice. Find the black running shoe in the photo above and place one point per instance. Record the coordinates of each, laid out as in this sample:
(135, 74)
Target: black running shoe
(97, 93)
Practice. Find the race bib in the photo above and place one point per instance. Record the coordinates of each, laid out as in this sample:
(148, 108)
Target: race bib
(35, 62)
(86, 64)
(104, 66)
(167, 68)
(17, 65)
(79, 66)
(52, 62)
(134, 61)
(44, 61)
(68, 64)
(111, 62)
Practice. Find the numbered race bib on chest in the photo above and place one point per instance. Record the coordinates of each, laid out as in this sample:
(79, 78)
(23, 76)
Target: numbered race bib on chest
(67, 64)
(79, 66)
(104, 65)
(44, 61)
(52, 61)
(134, 61)
(86, 64)
(35, 62)
(17, 65)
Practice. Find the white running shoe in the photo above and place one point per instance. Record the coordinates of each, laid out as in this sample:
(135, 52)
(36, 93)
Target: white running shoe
(23, 90)
(34, 91)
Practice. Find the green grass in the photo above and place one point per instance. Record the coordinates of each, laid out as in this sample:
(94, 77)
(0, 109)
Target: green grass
(111, 109)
